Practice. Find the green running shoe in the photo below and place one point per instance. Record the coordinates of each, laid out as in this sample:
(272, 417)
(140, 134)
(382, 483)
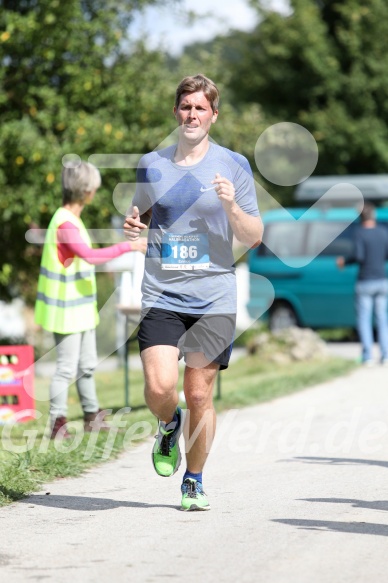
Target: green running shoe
(166, 455)
(193, 496)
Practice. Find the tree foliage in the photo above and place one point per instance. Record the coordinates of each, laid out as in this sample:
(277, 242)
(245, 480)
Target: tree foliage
(71, 81)
(325, 66)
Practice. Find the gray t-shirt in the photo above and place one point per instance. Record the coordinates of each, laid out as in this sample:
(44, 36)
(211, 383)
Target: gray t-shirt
(189, 265)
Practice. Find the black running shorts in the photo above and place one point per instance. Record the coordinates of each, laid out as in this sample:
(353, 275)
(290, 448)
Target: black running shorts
(211, 334)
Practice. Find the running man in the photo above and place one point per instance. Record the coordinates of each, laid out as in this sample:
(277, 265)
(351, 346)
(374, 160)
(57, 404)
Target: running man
(194, 196)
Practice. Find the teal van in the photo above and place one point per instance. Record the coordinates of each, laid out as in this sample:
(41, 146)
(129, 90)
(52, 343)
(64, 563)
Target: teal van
(310, 290)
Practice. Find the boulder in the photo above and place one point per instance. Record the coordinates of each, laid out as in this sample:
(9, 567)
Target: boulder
(288, 345)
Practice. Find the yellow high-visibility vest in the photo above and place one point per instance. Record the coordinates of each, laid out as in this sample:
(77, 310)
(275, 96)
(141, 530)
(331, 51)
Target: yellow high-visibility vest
(66, 300)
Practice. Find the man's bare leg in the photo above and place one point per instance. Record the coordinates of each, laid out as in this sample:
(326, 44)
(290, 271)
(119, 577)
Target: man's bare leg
(161, 379)
(198, 388)
(199, 380)
(160, 365)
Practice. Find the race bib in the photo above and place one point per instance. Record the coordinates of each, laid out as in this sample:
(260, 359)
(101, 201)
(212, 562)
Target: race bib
(185, 252)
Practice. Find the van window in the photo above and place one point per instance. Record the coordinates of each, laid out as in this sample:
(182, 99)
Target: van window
(284, 239)
(341, 245)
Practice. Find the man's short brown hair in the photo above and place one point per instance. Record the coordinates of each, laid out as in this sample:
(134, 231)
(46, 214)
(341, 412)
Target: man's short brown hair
(198, 83)
(368, 213)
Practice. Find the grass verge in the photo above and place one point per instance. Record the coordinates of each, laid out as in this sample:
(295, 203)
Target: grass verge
(28, 458)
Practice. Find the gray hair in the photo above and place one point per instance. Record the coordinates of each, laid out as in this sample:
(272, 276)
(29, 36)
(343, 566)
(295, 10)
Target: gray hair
(78, 181)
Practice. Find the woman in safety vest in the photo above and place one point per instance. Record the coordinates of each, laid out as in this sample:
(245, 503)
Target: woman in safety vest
(66, 301)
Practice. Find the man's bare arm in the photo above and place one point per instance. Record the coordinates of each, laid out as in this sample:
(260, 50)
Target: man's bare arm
(246, 228)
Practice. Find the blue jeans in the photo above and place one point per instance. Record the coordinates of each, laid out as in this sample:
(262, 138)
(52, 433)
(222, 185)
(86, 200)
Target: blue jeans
(371, 296)
(76, 357)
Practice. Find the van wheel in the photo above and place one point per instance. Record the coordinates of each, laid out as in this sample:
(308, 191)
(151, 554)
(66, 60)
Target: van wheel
(282, 316)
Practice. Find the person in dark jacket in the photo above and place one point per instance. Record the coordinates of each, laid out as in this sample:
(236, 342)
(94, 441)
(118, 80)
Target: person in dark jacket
(370, 251)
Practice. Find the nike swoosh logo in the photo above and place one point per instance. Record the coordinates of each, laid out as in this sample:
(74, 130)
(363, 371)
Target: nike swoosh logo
(202, 189)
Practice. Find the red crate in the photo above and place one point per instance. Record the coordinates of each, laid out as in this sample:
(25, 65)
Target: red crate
(17, 380)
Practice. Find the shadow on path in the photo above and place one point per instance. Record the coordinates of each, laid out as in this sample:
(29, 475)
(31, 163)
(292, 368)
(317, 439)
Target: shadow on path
(87, 504)
(369, 505)
(332, 526)
(338, 461)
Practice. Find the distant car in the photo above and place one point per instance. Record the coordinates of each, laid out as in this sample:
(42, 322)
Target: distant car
(315, 294)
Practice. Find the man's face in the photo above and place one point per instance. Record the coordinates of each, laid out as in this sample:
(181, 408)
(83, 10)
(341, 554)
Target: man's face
(195, 116)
